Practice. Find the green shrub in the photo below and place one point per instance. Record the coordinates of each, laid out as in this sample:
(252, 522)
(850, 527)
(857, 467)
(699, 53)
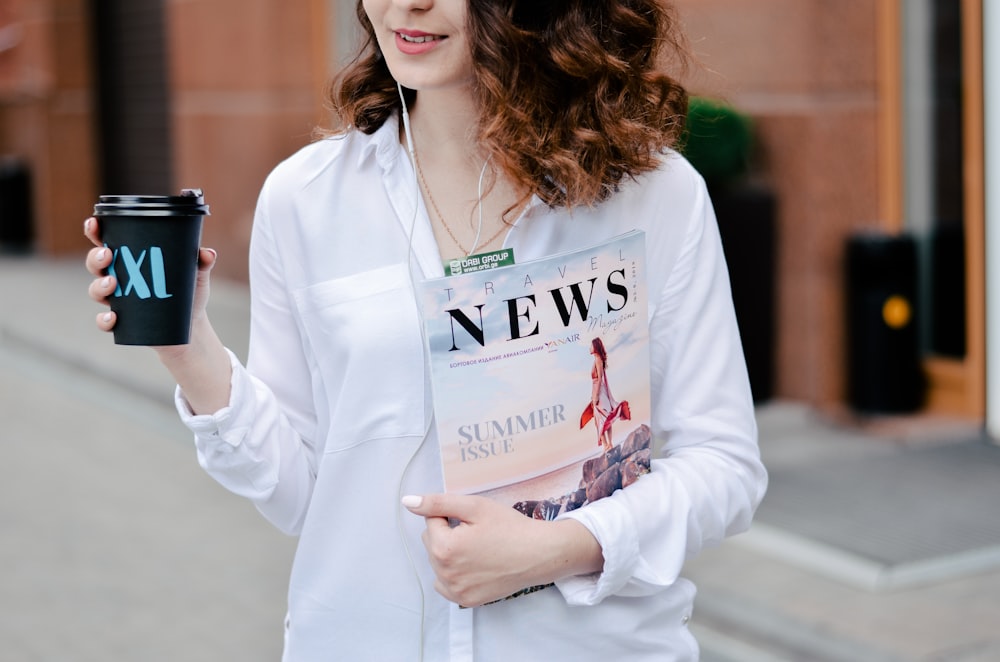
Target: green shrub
(717, 140)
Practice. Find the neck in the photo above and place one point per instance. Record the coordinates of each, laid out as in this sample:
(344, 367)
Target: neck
(457, 183)
(444, 125)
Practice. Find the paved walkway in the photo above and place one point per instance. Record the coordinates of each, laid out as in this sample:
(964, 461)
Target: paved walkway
(117, 547)
(773, 594)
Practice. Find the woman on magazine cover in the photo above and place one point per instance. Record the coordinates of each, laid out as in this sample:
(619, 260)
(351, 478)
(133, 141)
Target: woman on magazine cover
(538, 126)
(603, 406)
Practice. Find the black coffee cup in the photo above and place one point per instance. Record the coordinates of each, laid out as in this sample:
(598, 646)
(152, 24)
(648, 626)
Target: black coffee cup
(155, 241)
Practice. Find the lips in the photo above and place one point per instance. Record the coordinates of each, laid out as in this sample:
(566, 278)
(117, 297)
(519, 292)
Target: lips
(418, 39)
(415, 42)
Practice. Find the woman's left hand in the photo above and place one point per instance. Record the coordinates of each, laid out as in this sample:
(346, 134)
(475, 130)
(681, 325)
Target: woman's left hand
(495, 551)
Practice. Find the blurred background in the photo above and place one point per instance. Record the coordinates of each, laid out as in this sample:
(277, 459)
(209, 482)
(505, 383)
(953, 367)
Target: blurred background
(847, 146)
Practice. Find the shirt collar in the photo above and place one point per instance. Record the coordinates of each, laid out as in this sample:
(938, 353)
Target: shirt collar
(383, 145)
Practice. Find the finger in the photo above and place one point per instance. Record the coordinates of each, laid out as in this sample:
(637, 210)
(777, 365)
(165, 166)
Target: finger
(92, 231)
(102, 288)
(451, 596)
(435, 527)
(98, 260)
(454, 506)
(106, 321)
(444, 592)
(207, 258)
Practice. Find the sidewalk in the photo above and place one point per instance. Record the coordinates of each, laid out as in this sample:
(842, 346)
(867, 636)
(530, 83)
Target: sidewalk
(911, 584)
(118, 547)
(115, 544)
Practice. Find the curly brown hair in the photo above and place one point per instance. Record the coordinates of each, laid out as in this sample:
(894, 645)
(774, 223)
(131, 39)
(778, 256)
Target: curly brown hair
(571, 95)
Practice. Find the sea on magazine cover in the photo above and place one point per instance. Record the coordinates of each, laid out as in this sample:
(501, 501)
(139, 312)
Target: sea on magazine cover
(514, 358)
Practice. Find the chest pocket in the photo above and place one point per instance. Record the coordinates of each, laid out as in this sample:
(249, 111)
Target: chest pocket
(364, 331)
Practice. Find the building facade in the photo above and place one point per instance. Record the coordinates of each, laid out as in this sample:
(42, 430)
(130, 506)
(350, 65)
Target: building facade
(870, 119)
(867, 115)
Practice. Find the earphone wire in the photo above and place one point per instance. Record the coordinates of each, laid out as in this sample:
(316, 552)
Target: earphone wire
(413, 162)
(479, 204)
(429, 418)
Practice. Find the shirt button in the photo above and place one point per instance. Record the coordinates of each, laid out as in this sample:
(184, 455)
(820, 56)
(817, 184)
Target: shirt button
(686, 619)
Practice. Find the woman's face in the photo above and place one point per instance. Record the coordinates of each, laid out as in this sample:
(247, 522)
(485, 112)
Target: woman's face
(424, 42)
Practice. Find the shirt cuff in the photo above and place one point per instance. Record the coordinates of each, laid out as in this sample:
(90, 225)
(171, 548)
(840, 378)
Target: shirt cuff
(218, 426)
(611, 524)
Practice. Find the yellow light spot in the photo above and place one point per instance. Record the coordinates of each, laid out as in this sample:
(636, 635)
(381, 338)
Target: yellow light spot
(897, 312)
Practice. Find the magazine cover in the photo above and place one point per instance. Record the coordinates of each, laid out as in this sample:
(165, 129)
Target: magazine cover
(540, 376)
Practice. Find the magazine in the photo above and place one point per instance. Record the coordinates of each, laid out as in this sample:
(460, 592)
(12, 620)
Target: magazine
(540, 375)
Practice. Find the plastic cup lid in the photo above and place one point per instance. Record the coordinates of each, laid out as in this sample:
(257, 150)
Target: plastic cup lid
(189, 202)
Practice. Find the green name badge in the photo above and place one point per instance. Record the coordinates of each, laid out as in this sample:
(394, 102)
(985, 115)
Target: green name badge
(479, 262)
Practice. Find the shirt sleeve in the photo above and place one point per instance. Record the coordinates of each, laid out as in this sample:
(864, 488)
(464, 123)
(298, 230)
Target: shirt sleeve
(261, 445)
(707, 478)
(221, 439)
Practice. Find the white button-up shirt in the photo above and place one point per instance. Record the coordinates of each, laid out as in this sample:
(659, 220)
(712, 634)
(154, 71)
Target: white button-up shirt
(329, 423)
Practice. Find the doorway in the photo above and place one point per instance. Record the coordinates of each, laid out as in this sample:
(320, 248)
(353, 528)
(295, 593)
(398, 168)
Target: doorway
(932, 183)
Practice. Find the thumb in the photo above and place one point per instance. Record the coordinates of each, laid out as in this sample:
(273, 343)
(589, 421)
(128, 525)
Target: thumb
(448, 506)
(207, 258)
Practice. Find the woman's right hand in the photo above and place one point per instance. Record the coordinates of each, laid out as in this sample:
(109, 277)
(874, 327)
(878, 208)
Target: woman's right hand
(97, 263)
(202, 367)
(103, 286)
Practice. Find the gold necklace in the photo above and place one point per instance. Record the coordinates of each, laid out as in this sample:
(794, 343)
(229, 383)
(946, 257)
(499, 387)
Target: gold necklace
(427, 190)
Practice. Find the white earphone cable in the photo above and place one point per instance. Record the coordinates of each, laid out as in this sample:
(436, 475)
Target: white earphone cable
(479, 204)
(429, 417)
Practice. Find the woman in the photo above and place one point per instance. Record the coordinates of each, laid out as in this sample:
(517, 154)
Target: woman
(534, 126)
(604, 409)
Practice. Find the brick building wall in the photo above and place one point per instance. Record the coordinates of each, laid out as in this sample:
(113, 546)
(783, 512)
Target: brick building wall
(246, 80)
(45, 114)
(806, 73)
